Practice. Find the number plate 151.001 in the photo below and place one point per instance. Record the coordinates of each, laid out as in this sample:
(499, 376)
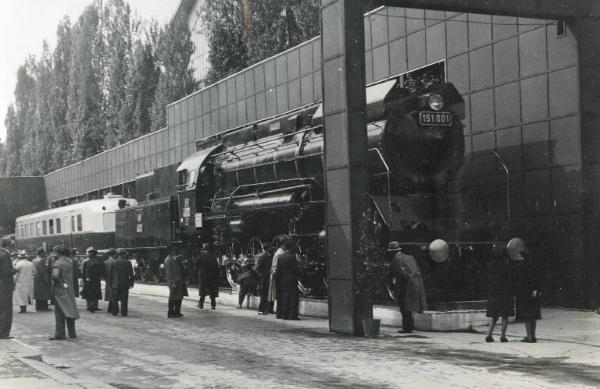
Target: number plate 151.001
(430, 118)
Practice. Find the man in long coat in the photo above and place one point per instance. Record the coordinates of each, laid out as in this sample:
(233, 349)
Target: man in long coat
(176, 279)
(287, 275)
(107, 285)
(7, 284)
(65, 309)
(263, 271)
(41, 281)
(23, 282)
(273, 287)
(92, 271)
(121, 280)
(208, 277)
(410, 288)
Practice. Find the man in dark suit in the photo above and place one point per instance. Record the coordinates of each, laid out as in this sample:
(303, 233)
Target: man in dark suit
(176, 278)
(121, 280)
(92, 273)
(112, 253)
(263, 271)
(208, 277)
(287, 274)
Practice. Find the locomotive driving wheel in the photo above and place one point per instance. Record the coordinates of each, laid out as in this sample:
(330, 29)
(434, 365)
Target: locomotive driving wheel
(313, 279)
(233, 266)
(255, 247)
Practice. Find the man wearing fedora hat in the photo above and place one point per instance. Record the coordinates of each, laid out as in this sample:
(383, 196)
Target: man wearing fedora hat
(92, 269)
(410, 289)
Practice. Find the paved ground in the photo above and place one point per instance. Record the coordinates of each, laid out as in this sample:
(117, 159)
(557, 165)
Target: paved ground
(230, 348)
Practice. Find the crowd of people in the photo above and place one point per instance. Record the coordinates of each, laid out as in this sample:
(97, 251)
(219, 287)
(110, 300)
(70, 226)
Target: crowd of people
(273, 277)
(54, 280)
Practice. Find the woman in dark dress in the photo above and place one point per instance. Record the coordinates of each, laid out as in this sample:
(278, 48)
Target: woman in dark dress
(499, 297)
(527, 293)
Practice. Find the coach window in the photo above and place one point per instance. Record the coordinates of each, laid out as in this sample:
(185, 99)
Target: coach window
(79, 223)
(38, 228)
(44, 227)
(57, 225)
(72, 223)
(51, 226)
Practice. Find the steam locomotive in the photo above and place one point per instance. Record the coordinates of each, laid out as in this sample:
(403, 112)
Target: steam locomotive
(264, 180)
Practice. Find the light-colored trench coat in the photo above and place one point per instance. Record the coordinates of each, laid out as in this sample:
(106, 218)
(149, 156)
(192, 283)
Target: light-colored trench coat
(272, 296)
(23, 293)
(64, 286)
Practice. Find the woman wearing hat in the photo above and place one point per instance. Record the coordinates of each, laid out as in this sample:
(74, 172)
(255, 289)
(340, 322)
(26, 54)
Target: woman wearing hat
(527, 293)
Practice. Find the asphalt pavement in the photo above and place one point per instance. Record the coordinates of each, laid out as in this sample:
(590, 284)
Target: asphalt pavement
(236, 348)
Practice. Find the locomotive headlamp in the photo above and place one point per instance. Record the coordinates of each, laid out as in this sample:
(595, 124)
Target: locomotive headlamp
(436, 102)
(439, 251)
(515, 249)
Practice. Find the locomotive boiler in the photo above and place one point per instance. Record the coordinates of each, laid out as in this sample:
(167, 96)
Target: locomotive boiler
(263, 180)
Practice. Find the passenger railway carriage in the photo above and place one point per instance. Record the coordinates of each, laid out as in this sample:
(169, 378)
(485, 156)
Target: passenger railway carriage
(78, 226)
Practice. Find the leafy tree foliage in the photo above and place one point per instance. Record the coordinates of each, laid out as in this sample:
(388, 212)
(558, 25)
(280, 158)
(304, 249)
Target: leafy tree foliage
(225, 23)
(176, 79)
(61, 137)
(241, 33)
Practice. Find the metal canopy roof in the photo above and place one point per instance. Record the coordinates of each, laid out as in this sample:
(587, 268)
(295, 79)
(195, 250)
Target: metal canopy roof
(194, 161)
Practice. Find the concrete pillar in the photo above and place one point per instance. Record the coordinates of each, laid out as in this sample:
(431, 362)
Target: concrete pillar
(588, 31)
(343, 66)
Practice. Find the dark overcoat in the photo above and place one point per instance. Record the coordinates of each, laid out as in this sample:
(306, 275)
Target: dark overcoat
(41, 279)
(208, 274)
(7, 284)
(93, 269)
(107, 273)
(409, 283)
(287, 277)
(526, 281)
(175, 278)
(121, 274)
(121, 278)
(499, 290)
(263, 270)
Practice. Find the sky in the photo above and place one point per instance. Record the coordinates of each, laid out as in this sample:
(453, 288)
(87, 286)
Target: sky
(25, 24)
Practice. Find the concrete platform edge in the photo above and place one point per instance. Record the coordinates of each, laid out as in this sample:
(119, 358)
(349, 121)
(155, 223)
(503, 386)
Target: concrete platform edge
(455, 320)
(33, 358)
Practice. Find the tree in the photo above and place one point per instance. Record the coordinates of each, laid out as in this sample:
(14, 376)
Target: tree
(12, 154)
(176, 80)
(242, 33)
(19, 139)
(85, 99)
(42, 141)
(61, 59)
(226, 21)
(140, 88)
(117, 36)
